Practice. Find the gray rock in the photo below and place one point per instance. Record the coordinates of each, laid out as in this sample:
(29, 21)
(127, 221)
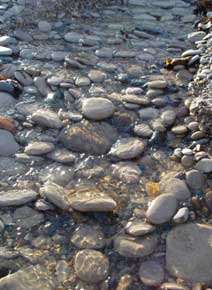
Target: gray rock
(168, 117)
(26, 217)
(175, 187)
(128, 246)
(8, 145)
(6, 101)
(173, 286)
(44, 26)
(62, 155)
(148, 113)
(179, 130)
(91, 266)
(151, 273)
(39, 148)
(196, 36)
(41, 85)
(204, 165)
(82, 81)
(181, 216)
(96, 76)
(127, 148)
(88, 237)
(195, 179)
(90, 138)
(5, 39)
(143, 130)
(73, 37)
(128, 172)
(189, 252)
(63, 271)
(17, 197)
(43, 205)
(138, 228)
(5, 51)
(47, 118)
(10, 167)
(162, 209)
(157, 84)
(97, 108)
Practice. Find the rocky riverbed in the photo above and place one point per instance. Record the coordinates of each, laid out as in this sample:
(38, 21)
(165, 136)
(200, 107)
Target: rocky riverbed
(105, 152)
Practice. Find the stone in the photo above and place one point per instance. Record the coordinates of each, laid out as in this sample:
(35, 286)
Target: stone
(181, 216)
(168, 117)
(27, 279)
(41, 85)
(97, 108)
(5, 40)
(82, 81)
(151, 273)
(5, 51)
(44, 26)
(39, 148)
(10, 167)
(162, 209)
(133, 247)
(126, 171)
(92, 201)
(189, 252)
(127, 148)
(175, 187)
(8, 145)
(17, 197)
(138, 228)
(6, 101)
(187, 161)
(56, 195)
(62, 155)
(179, 130)
(47, 118)
(143, 130)
(173, 286)
(204, 165)
(26, 217)
(148, 113)
(88, 137)
(91, 266)
(196, 36)
(73, 37)
(157, 84)
(97, 76)
(195, 179)
(88, 237)
(137, 100)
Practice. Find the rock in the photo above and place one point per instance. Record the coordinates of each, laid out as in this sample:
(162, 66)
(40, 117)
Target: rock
(63, 271)
(90, 138)
(73, 37)
(190, 244)
(10, 167)
(204, 165)
(208, 200)
(179, 130)
(5, 40)
(157, 84)
(55, 194)
(5, 51)
(96, 76)
(151, 273)
(173, 286)
(8, 145)
(127, 148)
(82, 81)
(143, 130)
(162, 209)
(97, 108)
(39, 148)
(6, 101)
(17, 197)
(148, 113)
(187, 161)
(91, 266)
(47, 118)
(26, 217)
(62, 155)
(88, 237)
(132, 247)
(196, 36)
(195, 179)
(126, 171)
(138, 228)
(27, 279)
(43, 205)
(175, 187)
(41, 85)
(92, 201)
(181, 216)
(44, 26)
(168, 117)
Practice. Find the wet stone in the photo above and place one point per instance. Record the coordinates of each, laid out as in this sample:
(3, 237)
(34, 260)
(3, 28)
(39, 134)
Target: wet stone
(179, 130)
(6, 101)
(96, 76)
(138, 228)
(143, 130)
(17, 197)
(204, 165)
(82, 81)
(5, 51)
(26, 217)
(44, 26)
(173, 286)
(62, 155)
(91, 266)
(132, 247)
(151, 273)
(127, 148)
(157, 84)
(181, 216)
(195, 179)
(88, 237)
(162, 209)
(8, 145)
(148, 113)
(187, 161)
(47, 118)
(175, 187)
(126, 171)
(168, 117)
(10, 167)
(39, 148)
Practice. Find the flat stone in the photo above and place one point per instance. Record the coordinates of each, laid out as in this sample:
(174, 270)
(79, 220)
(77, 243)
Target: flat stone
(175, 187)
(6, 101)
(196, 36)
(132, 247)
(190, 244)
(91, 266)
(173, 286)
(62, 155)
(96, 76)
(5, 39)
(157, 84)
(143, 130)
(39, 148)
(134, 99)
(10, 167)
(181, 216)
(73, 37)
(97, 108)
(128, 172)
(82, 81)
(5, 51)
(162, 209)
(90, 138)
(179, 130)
(151, 273)
(8, 145)
(138, 228)
(88, 237)
(47, 118)
(204, 165)
(127, 148)
(195, 179)
(26, 217)
(44, 26)
(17, 197)
(148, 113)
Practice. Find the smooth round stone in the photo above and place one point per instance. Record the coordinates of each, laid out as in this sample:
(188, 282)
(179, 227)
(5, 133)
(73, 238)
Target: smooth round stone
(162, 209)
(134, 99)
(4, 40)
(154, 93)
(138, 228)
(44, 26)
(43, 205)
(208, 200)
(148, 113)
(151, 273)
(104, 52)
(97, 108)
(5, 51)
(134, 91)
(184, 76)
(39, 148)
(127, 148)
(143, 130)
(73, 37)
(193, 126)
(157, 84)
(179, 130)
(92, 201)
(196, 36)
(157, 125)
(168, 117)
(132, 247)
(187, 161)
(91, 266)
(190, 244)
(187, 151)
(17, 197)
(62, 155)
(195, 179)
(126, 171)
(204, 165)
(8, 145)
(82, 81)
(47, 118)
(197, 135)
(6, 101)
(181, 216)
(96, 76)
(175, 187)
(10, 167)
(88, 237)
(26, 217)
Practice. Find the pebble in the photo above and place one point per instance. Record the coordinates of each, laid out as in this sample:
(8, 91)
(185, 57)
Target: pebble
(138, 228)
(97, 108)
(151, 273)
(91, 266)
(148, 113)
(73, 37)
(5, 51)
(46, 118)
(96, 76)
(168, 117)
(127, 148)
(175, 187)
(181, 216)
(82, 81)
(143, 130)
(187, 161)
(179, 130)
(195, 179)
(26, 217)
(157, 84)
(173, 286)
(162, 209)
(62, 155)
(6, 101)
(187, 151)
(196, 36)
(126, 171)
(8, 145)
(44, 26)
(204, 165)
(17, 197)
(39, 148)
